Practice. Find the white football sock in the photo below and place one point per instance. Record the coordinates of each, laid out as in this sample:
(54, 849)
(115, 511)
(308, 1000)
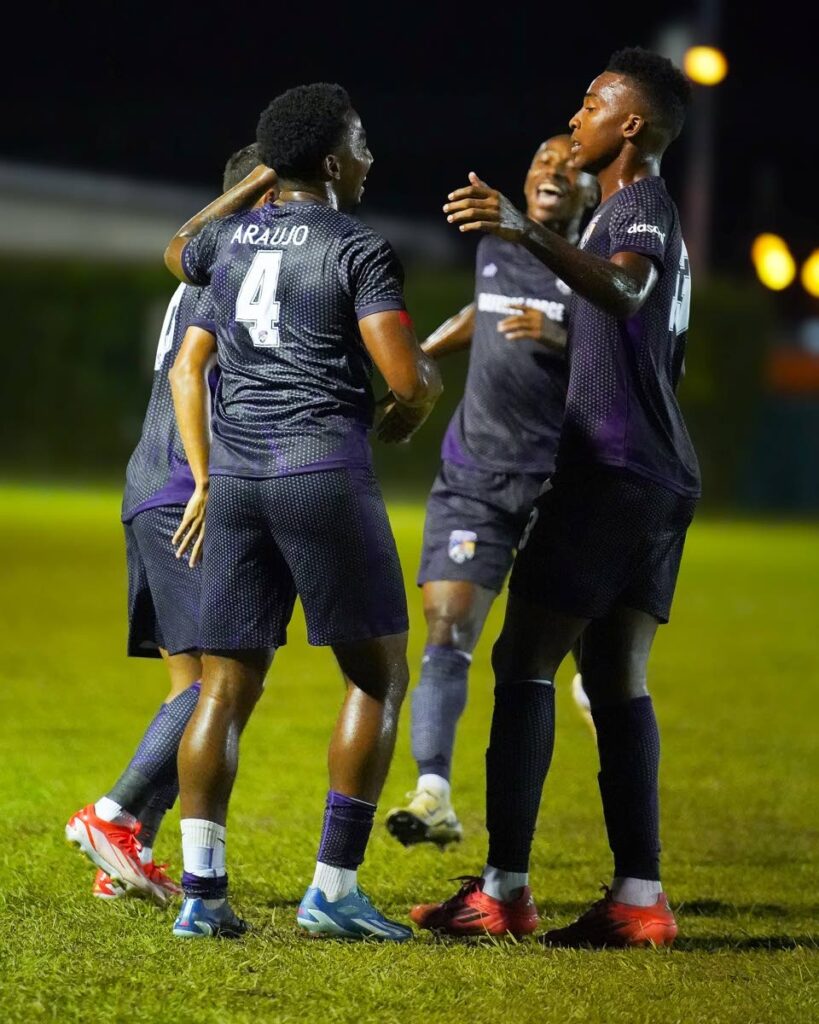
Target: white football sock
(203, 847)
(637, 892)
(503, 885)
(334, 882)
(435, 784)
(110, 810)
(146, 855)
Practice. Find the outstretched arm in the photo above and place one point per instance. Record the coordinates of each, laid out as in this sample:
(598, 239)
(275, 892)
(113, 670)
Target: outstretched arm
(411, 376)
(453, 335)
(191, 402)
(248, 191)
(619, 285)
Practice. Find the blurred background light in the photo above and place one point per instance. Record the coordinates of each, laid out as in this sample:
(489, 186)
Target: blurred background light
(705, 65)
(810, 274)
(775, 267)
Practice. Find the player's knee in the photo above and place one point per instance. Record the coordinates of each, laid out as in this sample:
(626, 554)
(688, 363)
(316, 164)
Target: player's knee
(452, 628)
(612, 682)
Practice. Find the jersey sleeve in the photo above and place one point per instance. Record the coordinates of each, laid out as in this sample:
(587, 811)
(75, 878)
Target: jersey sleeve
(372, 275)
(203, 314)
(199, 254)
(641, 224)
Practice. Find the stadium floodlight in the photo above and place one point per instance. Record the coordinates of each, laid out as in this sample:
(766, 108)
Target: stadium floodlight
(810, 274)
(775, 267)
(705, 65)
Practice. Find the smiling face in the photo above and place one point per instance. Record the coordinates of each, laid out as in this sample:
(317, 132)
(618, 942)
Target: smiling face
(354, 160)
(553, 195)
(612, 114)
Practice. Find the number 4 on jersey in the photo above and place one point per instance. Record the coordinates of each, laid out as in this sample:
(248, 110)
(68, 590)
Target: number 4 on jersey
(256, 305)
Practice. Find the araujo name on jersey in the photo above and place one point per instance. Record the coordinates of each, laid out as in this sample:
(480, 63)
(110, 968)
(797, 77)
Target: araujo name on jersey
(489, 302)
(252, 234)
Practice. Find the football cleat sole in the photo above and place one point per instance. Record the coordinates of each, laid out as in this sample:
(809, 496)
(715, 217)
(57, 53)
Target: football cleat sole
(410, 830)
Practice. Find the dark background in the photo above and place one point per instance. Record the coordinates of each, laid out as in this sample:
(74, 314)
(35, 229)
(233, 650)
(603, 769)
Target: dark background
(167, 91)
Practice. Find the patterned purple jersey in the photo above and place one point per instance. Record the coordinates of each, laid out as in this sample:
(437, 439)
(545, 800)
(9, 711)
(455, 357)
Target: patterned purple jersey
(158, 472)
(509, 418)
(621, 408)
(290, 283)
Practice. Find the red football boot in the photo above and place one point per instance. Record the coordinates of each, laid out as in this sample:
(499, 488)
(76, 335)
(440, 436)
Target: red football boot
(620, 925)
(471, 912)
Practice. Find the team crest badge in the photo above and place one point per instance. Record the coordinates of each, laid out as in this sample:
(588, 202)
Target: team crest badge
(462, 545)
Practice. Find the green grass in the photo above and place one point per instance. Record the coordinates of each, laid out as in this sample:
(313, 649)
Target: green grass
(735, 681)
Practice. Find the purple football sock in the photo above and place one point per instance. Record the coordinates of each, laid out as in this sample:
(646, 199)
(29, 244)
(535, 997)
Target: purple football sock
(346, 830)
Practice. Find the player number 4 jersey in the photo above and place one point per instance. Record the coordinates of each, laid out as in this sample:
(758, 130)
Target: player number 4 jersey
(621, 407)
(290, 283)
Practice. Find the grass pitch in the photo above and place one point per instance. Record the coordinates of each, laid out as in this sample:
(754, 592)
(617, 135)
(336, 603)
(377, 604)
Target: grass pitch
(735, 682)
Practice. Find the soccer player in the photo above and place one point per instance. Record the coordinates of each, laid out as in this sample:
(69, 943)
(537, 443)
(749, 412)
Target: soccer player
(306, 298)
(117, 832)
(499, 448)
(603, 545)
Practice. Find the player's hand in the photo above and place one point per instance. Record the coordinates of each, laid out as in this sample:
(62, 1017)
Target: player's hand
(525, 322)
(481, 208)
(398, 422)
(191, 532)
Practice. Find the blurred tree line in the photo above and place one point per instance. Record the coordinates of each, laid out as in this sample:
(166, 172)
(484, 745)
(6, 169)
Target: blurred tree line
(81, 338)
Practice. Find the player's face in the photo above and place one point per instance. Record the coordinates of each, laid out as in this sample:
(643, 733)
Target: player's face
(601, 125)
(551, 189)
(355, 161)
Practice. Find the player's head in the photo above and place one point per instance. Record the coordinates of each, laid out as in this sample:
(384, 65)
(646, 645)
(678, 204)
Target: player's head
(312, 137)
(557, 193)
(640, 100)
(240, 165)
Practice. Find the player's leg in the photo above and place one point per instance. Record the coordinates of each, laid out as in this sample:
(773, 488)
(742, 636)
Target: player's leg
(455, 612)
(376, 676)
(163, 609)
(247, 599)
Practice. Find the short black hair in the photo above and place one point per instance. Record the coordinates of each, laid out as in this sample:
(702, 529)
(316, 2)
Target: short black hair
(240, 165)
(666, 88)
(299, 128)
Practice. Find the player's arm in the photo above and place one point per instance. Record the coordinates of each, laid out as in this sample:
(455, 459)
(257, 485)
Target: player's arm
(242, 196)
(454, 334)
(412, 377)
(619, 285)
(191, 402)
(528, 322)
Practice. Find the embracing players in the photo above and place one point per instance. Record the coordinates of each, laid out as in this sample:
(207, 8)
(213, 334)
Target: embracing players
(306, 299)
(602, 549)
(499, 448)
(117, 832)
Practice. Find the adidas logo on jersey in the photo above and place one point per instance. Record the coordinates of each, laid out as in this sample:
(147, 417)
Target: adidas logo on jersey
(646, 229)
(490, 270)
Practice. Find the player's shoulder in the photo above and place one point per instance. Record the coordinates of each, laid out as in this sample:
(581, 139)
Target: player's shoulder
(355, 232)
(647, 192)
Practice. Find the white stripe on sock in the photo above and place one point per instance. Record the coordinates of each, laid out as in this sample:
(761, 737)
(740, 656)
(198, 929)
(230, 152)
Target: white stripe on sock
(203, 847)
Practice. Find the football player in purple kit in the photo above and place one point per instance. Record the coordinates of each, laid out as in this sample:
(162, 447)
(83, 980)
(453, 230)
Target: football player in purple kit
(117, 832)
(306, 300)
(498, 449)
(602, 549)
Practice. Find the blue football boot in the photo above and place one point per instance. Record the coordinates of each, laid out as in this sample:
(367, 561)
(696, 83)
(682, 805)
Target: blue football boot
(196, 921)
(351, 917)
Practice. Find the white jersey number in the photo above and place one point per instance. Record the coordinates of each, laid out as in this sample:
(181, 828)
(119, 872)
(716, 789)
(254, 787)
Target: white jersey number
(681, 303)
(256, 305)
(168, 327)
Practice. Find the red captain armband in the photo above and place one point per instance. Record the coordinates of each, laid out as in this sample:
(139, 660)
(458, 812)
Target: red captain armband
(405, 319)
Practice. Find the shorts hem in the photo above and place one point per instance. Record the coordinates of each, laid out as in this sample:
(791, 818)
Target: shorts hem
(454, 576)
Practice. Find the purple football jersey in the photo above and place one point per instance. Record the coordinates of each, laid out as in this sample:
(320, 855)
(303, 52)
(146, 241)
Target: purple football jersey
(621, 407)
(290, 283)
(158, 472)
(509, 418)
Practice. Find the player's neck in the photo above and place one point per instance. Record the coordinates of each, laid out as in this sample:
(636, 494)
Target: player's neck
(628, 167)
(292, 192)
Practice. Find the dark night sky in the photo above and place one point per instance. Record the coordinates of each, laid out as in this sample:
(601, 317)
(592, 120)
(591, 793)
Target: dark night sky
(167, 91)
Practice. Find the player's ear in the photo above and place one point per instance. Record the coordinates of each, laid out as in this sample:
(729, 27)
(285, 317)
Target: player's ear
(332, 167)
(633, 125)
